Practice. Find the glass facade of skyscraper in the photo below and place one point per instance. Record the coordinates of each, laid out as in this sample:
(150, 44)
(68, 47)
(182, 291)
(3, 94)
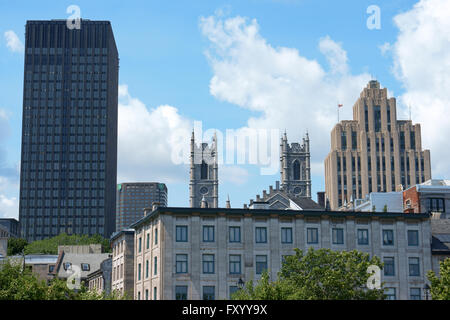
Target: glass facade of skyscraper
(69, 130)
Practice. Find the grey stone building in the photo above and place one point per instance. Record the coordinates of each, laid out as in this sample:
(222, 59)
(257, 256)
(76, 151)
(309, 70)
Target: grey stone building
(204, 253)
(100, 280)
(374, 152)
(295, 167)
(122, 244)
(204, 179)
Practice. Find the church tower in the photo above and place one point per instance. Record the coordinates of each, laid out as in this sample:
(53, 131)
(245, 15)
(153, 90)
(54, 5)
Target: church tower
(295, 167)
(204, 181)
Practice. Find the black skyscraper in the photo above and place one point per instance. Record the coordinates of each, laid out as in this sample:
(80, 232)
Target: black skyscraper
(69, 130)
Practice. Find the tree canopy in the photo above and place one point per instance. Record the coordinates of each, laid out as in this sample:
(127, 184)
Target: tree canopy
(321, 274)
(50, 245)
(440, 285)
(16, 246)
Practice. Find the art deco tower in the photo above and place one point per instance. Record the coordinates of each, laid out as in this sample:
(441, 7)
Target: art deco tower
(374, 152)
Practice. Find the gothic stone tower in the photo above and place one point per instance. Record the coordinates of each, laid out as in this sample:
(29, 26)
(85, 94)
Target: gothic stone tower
(204, 181)
(295, 167)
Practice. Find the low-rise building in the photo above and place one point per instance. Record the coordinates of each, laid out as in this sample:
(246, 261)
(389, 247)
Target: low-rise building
(380, 202)
(431, 196)
(4, 236)
(122, 244)
(205, 253)
(42, 265)
(100, 280)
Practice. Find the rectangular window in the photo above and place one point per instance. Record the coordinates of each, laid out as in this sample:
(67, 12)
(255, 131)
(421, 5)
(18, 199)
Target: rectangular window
(208, 263)
(140, 245)
(344, 140)
(261, 264)
(233, 289)
(414, 268)
(181, 233)
(413, 238)
(261, 235)
(235, 264)
(388, 237)
(209, 293)
(155, 265)
(208, 233)
(390, 294)
(436, 205)
(181, 263)
(363, 236)
(286, 235)
(235, 234)
(139, 271)
(148, 240)
(389, 266)
(154, 293)
(146, 269)
(156, 236)
(181, 292)
(146, 294)
(312, 235)
(415, 294)
(338, 236)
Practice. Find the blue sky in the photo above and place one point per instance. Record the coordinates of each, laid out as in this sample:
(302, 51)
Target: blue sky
(163, 48)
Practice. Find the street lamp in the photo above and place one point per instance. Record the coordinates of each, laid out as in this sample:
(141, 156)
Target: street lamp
(241, 283)
(426, 288)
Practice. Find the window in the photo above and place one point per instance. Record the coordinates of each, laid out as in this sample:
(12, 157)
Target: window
(233, 289)
(155, 265)
(286, 235)
(390, 293)
(139, 271)
(208, 233)
(208, 292)
(363, 236)
(296, 170)
(181, 263)
(261, 264)
(388, 237)
(181, 292)
(389, 266)
(235, 234)
(235, 264)
(146, 269)
(261, 235)
(344, 140)
(338, 236)
(413, 238)
(414, 268)
(139, 295)
(67, 266)
(85, 267)
(155, 293)
(140, 245)
(148, 240)
(51, 268)
(436, 205)
(208, 263)
(312, 235)
(415, 294)
(181, 233)
(204, 170)
(156, 236)
(146, 294)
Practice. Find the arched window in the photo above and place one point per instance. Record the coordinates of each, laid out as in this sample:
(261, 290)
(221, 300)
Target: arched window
(204, 170)
(296, 170)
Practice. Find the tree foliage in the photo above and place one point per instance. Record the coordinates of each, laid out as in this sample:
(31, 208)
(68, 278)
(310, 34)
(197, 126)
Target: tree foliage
(17, 283)
(440, 285)
(16, 246)
(320, 274)
(50, 246)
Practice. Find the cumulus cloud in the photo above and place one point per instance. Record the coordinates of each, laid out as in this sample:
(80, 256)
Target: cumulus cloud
(147, 138)
(288, 90)
(13, 42)
(421, 56)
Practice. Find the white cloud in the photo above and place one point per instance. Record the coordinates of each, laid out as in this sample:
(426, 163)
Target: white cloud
(385, 48)
(289, 90)
(13, 42)
(9, 207)
(146, 141)
(421, 57)
(234, 174)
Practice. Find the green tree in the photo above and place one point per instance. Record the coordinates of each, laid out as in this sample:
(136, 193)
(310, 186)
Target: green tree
(16, 246)
(320, 274)
(50, 245)
(440, 285)
(385, 208)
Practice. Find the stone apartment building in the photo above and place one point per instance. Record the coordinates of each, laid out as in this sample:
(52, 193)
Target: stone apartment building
(122, 244)
(374, 152)
(205, 253)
